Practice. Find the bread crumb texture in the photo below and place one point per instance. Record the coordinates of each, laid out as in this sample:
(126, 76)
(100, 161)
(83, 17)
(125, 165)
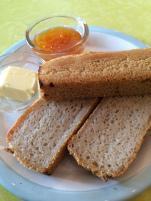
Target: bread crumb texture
(39, 137)
(111, 137)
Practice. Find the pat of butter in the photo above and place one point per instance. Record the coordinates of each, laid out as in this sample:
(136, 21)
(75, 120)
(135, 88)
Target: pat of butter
(18, 83)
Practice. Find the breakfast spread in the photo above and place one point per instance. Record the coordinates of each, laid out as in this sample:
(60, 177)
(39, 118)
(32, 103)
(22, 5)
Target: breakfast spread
(57, 36)
(95, 105)
(18, 83)
(58, 39)
(97, 74)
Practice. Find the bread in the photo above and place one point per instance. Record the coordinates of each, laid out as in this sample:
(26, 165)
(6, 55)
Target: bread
(39, 137)
(97, 75)
(111, 137)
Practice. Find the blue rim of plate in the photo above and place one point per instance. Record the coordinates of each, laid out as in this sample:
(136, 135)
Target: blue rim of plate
(30, 191)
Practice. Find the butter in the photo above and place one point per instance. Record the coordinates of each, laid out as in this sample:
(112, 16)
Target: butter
(18, 83)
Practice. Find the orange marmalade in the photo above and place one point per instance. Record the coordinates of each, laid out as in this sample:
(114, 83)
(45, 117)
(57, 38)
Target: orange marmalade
(57, 40)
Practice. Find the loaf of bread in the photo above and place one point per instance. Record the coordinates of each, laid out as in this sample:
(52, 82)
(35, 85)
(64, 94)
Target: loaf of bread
(97, 75)
(40, 135)
(111, 137)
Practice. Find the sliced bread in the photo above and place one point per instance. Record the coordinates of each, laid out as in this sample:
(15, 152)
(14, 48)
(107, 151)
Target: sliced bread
(97, 74)
(111, 137)
(40, 135)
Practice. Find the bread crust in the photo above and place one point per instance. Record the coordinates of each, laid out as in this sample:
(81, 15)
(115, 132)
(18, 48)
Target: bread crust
(101, 172)
(32, 108)
(104, 176)
(59, 155)
(10, 134)
(127, 73)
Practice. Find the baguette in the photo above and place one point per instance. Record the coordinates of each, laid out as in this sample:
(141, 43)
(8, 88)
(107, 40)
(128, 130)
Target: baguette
(90, 75)
(111, 137)
(39, 137)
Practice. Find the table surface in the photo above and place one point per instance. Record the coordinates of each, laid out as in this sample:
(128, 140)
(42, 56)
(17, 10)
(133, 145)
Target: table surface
(132, 17)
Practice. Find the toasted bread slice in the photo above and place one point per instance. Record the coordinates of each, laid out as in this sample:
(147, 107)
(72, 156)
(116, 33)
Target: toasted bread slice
(111, 137)
(40, 135)
(97, 75)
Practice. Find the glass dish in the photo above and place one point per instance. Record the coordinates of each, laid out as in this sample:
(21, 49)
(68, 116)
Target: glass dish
(45, 24)
(26, 60)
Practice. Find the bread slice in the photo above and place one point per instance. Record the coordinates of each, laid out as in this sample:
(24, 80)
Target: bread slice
(111, 137)
(40, 135)
(97, 75)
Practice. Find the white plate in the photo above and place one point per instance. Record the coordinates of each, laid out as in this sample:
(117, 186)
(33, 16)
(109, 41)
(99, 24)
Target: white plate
(70, 182)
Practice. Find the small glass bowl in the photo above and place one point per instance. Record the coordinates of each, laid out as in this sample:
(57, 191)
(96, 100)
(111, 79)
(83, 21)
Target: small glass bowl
(58, 21)
(26, 60)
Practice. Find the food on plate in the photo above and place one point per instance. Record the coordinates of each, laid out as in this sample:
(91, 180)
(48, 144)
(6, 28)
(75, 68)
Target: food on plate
(57, 39)
(39, 137)
(111, 137)
(97, 74)
(18, 83)
(103, 135)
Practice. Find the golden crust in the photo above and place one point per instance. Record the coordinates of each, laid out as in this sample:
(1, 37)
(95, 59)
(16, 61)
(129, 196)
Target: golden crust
(66, 77)
(10, 134)
(104, 176)
(34, 106)
(101, 173)
(58, 156)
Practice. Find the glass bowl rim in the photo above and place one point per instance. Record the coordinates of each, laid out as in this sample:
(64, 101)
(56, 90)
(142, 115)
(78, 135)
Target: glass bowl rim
(4, 56)
(79, 21)
(18, 106)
